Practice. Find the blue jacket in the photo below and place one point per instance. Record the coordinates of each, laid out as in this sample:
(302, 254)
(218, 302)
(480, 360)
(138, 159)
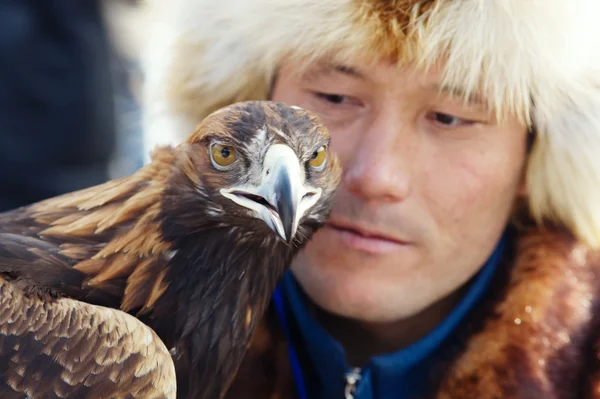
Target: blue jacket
(318, 361)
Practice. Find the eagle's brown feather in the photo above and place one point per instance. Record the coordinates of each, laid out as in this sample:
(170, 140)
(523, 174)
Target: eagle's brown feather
(109, 233)
(67, 348)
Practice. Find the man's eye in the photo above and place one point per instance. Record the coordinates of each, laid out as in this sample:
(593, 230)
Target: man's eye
(447, 120)
(332, 98)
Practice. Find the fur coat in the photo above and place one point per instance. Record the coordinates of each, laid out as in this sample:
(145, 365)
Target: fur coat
(535, 334)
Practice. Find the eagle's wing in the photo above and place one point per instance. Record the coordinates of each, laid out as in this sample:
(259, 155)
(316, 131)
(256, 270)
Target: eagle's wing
(101, 245)
(65, 348)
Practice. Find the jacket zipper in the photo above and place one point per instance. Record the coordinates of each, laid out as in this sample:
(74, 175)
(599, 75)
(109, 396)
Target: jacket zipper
(352, 377)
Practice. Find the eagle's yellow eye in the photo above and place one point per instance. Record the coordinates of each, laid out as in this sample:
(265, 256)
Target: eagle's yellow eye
(318, 157)
(223, 155)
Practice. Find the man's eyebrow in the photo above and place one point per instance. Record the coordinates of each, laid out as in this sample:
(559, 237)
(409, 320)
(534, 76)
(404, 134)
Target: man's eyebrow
(459, 92)
(348, 70)
(325, 68)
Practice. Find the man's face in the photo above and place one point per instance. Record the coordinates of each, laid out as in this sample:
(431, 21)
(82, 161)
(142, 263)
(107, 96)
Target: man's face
(429, 183)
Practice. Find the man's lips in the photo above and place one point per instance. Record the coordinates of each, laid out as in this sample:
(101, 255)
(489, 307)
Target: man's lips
(365, 240)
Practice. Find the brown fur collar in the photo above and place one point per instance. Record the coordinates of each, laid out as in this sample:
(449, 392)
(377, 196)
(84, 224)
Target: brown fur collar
(535, 335)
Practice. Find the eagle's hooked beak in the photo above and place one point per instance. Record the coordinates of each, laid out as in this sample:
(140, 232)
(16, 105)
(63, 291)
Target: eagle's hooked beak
(282, 198)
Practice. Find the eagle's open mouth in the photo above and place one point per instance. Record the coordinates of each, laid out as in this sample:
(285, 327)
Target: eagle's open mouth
(308, 195)
(255, 198)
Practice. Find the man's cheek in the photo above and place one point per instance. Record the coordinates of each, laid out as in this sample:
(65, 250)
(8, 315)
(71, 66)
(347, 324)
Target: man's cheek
(456, 191)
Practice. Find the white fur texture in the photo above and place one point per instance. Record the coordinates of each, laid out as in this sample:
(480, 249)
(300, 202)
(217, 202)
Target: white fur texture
(539, 59)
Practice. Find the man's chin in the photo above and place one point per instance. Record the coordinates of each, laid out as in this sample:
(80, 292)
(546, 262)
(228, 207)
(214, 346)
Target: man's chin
(361, 296)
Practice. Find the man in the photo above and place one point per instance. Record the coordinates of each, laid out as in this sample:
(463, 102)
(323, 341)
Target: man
(460, 257)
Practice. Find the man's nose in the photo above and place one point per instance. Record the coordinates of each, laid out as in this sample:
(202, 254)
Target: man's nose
(381, 168)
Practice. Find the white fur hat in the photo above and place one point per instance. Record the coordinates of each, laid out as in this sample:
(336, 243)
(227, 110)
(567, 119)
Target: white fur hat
(538, 59)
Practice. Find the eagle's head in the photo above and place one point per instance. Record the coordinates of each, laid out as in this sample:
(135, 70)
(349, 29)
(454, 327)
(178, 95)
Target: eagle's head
(266, 168)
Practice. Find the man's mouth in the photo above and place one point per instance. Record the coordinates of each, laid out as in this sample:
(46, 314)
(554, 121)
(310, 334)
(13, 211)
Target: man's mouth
(364, 240)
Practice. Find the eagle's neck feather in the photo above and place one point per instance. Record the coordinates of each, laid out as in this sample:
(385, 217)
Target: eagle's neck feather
(219, 286)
